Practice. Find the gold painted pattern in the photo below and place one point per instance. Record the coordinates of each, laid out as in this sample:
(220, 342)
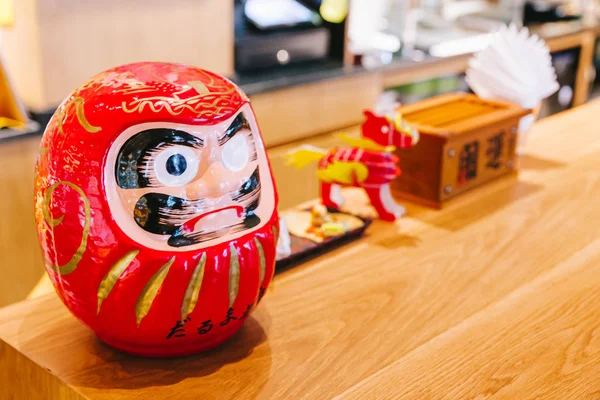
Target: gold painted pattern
(79, 103)
(193, 290)
(175, 106)
(44, 150)
(80, 112)
(144, 302)
(60, 118)
(261, 259)
(72, 264)
(234, 275)
(199, 87)
(113, 276)
(204, 103)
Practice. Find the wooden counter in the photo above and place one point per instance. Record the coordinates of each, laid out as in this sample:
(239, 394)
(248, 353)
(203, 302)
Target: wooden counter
(495, 296)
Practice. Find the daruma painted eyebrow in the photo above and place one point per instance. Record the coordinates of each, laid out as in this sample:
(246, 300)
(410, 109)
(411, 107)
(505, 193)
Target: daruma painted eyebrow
(239, 123)
(140, 146)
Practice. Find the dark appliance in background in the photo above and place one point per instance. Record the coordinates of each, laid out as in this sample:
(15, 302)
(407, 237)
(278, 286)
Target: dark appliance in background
(337, 41)
(595, 89)
(538, 12)
(565, 64)
(286, 32)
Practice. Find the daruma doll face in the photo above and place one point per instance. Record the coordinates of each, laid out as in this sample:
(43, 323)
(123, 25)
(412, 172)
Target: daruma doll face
(156, 208)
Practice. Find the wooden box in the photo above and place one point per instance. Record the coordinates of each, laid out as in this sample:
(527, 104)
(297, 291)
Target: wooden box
(465, 141)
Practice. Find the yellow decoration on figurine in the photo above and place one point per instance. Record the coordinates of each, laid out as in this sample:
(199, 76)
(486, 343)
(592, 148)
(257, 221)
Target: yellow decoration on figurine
(346, 173)
(366, 144)
(304, 155)
(334, 11)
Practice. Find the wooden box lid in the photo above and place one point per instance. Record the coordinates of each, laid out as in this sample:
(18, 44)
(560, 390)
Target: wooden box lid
(458, 113)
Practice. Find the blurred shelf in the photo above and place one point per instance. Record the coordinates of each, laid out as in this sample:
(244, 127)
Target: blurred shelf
(298, 87)
(293, 75)
(33, 128)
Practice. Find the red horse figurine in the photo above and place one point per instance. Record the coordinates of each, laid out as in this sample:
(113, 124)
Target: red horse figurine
(369, 163)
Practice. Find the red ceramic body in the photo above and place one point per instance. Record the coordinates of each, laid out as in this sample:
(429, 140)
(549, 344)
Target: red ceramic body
(150, 268)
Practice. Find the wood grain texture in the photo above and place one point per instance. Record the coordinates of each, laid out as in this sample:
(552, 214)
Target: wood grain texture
(493, 297)
(421, 168)
(451, 165)
(48, 386)
(540, 342)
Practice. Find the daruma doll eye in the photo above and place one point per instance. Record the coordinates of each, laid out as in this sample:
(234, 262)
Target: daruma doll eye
(176, 166)
(235, 153)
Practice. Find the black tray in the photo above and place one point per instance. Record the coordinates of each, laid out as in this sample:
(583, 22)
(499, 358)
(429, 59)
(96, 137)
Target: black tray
(305, 249)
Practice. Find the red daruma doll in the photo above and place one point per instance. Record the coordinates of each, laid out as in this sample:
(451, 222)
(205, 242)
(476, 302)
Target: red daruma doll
(156, 208)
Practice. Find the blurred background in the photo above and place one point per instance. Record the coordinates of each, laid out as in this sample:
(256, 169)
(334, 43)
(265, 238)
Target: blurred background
(309, 66)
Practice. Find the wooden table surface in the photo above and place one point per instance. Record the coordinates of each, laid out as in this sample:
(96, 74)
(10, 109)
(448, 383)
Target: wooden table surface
(495, 296)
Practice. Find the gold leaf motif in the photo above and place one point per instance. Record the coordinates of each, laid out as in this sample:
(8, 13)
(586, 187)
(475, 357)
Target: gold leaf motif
(193, 290)
(60, 118)
(234, 275)
(176, 106)
(80, 112)
(79, 103)
(72, 264)
(205, 103)
(144, 302)
(199, 87)
(113, 276)
(261, 259)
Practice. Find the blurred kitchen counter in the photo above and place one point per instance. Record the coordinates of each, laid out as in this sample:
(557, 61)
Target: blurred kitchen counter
(306, 100)
(494, 296)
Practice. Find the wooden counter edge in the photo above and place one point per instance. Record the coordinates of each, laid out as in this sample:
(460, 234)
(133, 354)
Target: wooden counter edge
(16, 382)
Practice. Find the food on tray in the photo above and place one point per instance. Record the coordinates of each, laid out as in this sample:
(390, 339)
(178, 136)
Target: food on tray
(318, 224)
(331, 229)
(319, 215)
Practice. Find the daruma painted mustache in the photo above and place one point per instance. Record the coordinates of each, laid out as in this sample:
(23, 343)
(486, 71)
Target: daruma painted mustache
(164, 214)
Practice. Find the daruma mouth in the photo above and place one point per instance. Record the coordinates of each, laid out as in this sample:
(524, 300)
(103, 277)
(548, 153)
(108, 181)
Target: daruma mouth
(190, 222)
(189, 226)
